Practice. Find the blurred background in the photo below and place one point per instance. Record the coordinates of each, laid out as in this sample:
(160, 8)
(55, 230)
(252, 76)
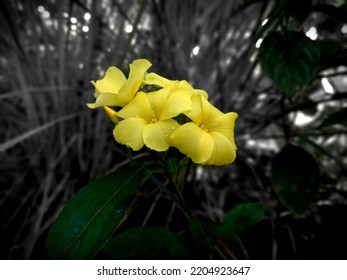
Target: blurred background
(51, 144)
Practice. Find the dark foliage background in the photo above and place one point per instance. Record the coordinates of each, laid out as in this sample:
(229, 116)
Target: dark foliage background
(51, 144)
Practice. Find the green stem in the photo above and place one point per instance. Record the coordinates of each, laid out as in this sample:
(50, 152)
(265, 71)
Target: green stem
(172, 190)
(176, 197)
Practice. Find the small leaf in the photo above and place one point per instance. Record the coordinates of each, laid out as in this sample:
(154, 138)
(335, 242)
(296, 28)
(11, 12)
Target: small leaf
(240, 218)
(90, 217)
(290, 59)
(338, 117)
(295, 178)
(148, 243)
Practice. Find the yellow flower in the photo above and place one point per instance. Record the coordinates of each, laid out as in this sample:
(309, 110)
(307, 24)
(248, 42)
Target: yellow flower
(209, 139)
(148, 119)
(115, 90)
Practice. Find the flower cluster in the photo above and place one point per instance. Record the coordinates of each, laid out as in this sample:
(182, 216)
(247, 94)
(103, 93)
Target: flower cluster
(152, 118)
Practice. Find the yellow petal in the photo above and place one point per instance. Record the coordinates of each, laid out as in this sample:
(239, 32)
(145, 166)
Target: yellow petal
(178, 101)
(96, 93)
(136, 75)
(196, 113)
(112, 81)
(155, 79)
(130, 132)
(108, 99)
(203, 112)
(209, 111)
(157, 135)
(224, 125)
(223, 152)
(193, 142)
(200, 92)
(157, 100)
(91, 105)
(184, 85)
(139, 107)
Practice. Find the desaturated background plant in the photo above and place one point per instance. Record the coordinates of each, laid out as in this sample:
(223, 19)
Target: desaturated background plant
(281, 65)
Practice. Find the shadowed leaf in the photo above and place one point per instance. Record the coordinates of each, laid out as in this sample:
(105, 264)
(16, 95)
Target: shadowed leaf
(89, 219)
(204, 232)
(290, 59)
(295, 178)
(148, 243)
(240, 218)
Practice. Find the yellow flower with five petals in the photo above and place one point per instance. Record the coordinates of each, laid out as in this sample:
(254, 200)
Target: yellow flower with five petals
(115, 90)
(209, 138)
(148, 119)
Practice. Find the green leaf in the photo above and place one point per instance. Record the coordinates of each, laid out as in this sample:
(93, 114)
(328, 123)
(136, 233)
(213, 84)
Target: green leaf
(204, 232)
(90, 217)
(240, 218)
(338, 117)
(148, 243)
(295, 178)
(290, 59)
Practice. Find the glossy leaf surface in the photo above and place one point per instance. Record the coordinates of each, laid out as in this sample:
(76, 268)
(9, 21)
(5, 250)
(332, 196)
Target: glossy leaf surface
(89, 219)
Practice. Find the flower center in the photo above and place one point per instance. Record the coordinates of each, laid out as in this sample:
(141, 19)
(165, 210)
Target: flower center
(204, 127)
(153, 118)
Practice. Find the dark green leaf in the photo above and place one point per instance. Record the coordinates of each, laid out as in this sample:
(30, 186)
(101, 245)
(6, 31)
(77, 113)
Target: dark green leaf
(338, 117)
(295, 177)
(90, 217)
(148, 243)
(204, 232)
(240, 218)
(290, 59)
